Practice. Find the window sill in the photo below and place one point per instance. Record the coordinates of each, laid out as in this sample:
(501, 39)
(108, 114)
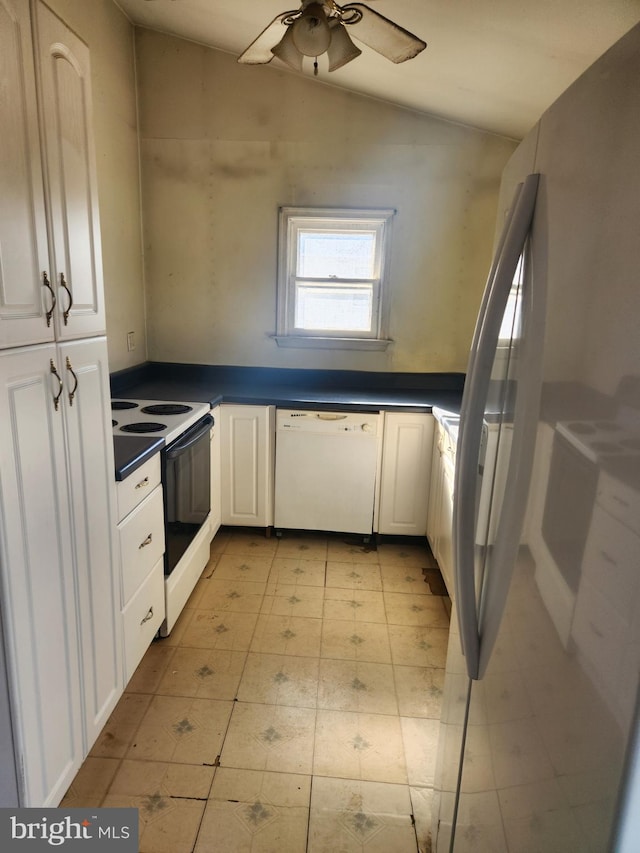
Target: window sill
(304, 342)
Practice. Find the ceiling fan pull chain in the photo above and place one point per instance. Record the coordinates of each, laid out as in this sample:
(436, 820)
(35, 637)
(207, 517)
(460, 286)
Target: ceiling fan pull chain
(315, 67)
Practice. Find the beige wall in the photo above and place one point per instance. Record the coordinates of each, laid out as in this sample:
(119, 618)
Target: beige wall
(224, 145)
(107, 31)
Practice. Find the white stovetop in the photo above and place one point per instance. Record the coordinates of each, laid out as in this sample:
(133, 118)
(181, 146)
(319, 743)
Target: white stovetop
(173, 425)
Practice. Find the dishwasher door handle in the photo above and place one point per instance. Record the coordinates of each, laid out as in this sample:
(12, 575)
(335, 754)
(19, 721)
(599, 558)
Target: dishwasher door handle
(330, 416)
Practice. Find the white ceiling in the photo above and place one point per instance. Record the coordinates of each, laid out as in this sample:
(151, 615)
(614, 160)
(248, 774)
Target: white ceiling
(493, 64)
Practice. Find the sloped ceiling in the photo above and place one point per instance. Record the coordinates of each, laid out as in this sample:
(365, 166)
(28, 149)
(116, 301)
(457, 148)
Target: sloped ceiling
(492, 64)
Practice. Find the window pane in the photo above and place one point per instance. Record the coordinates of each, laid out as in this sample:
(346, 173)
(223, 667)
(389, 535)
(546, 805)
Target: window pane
(322, 254)
(334, 309)
(511, 319)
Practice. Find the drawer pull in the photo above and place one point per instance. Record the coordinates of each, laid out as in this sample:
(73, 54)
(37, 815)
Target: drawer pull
(148, 616)
(143, 483)
(146, 542)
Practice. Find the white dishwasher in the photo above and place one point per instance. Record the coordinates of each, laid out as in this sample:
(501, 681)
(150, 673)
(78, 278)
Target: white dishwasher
(326, 466)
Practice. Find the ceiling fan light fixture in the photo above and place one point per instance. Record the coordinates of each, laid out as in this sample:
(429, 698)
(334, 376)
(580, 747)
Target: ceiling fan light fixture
(287, 52)
(311, 33)
(341, 49)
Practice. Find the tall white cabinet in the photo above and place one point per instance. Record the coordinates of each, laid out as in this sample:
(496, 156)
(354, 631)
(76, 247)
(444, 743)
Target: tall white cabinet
(60, 584)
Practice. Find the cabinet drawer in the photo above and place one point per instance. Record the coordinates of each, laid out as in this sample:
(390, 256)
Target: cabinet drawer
(142, 618)
(599, 632)
(609, 562)
(141, 542)
(137, 486)
(620, 500)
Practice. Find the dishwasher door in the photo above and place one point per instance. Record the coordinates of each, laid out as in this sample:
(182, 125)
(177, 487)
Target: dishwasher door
(326, 466)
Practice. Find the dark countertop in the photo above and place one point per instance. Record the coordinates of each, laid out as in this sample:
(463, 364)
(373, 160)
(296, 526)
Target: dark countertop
(131, 451)
(291, 388)
(287, 388)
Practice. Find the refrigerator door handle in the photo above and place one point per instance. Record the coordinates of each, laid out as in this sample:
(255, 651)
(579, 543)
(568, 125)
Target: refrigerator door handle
(472, 416)
(516, 489)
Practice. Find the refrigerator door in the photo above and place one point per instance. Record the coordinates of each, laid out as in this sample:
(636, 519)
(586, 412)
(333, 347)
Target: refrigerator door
(494, 453)
(487, 409)
(542, 752)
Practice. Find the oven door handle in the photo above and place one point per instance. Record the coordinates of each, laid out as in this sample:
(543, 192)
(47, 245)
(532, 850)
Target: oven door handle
(190, 438)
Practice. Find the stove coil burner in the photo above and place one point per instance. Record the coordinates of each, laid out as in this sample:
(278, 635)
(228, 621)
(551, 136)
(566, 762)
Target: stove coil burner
(143, 426)
(122, 404)
(166, 409)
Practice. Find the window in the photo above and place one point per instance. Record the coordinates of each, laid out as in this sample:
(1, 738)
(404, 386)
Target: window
(510, 328)
(332, 277)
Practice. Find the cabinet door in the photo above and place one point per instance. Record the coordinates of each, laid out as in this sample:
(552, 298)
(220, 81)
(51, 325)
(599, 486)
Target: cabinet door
(445, 535)
(406, 469)
(216, 490)
(38, 592)
(66, 120)
(435, 491)
(87, 410)
(24, 302)
(247, 465)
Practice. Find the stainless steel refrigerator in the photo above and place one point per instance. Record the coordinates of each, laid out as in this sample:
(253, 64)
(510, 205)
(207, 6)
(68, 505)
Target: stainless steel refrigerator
(539, 737)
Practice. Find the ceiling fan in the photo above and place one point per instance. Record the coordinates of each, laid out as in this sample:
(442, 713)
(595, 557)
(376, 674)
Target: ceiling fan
(316, 28)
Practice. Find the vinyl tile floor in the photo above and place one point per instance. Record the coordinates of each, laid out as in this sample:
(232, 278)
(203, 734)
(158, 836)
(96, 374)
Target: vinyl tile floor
(294, 707)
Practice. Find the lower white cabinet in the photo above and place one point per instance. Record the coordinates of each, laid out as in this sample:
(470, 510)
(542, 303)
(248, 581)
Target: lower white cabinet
(141, 542)
(405, 473)
(60, 585)
(142, 616)
(142, 546)
(247, 464)
(216, 487)
(440, 511)
(604, 627)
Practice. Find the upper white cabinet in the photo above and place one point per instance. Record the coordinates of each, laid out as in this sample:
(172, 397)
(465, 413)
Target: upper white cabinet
(60, 589)
(50, 253)
(247, 462)
(406, 472)
(26, 305)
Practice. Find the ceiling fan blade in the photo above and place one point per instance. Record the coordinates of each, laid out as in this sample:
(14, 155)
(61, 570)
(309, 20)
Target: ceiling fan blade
(259, 51)
(382, 35)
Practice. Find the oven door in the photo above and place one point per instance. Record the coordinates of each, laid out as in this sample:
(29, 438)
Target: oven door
(187, 489)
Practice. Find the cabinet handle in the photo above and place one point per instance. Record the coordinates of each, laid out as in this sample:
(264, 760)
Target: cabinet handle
(46, 283)
(148, 616)
(65, 315)
(142, 483)
(56, 399)
(72, 393)
(146, 542)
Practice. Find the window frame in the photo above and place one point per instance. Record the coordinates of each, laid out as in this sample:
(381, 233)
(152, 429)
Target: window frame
(292, 220)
